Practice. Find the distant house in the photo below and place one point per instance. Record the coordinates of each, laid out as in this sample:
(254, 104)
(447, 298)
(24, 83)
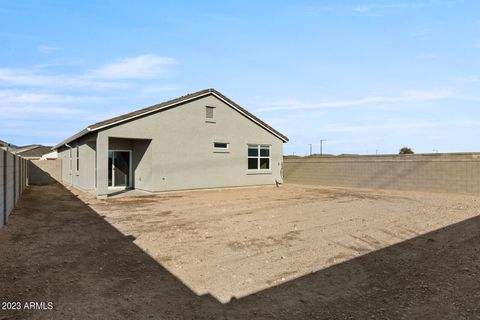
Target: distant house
(201, 140)
(52, 155)
(30, 152)
(4, 145)
(35, 152)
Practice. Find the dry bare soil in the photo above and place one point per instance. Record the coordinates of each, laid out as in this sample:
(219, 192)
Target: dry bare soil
(295, 252)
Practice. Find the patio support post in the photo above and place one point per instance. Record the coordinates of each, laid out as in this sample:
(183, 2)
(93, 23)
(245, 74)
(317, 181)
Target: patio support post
(102, 165)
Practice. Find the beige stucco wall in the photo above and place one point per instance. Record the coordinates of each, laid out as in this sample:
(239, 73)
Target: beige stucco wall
(181, 154)
(42, 172)
(84, 178)
(141, 159)
(13, 181)
(173, 150)
(432, 172)
(63, 156)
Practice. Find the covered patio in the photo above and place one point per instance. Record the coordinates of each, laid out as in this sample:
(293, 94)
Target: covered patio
(122, 164)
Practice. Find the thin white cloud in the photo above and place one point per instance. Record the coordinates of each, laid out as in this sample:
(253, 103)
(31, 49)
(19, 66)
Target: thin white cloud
(140, 67)
(374, 9)
(396, 126)
(422, 32)
(17, 104)
(361, 8)
(28, 110)
(47, 49)
(158, 88)
(22, 97)
(31, 78)
(432, 56)
(16, 76)
(118, 74)
(468, 79)
(56, 62)
(411, 96)
(477, 44)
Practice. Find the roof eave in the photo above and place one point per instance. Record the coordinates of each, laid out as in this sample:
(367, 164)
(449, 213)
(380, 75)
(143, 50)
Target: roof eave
(72, 138)
(214, 92)
(95, 128)
(249, 115)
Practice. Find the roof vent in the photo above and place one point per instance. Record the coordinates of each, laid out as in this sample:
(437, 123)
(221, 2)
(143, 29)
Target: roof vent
(209, 112)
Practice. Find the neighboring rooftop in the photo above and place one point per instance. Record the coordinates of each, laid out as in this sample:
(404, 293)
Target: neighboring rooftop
(4, 144)
(26, 151)
(36, 151)
(11, 147)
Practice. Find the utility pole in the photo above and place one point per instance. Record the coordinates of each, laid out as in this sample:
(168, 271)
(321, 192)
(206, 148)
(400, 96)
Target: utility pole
(321, 146)
(310, 148)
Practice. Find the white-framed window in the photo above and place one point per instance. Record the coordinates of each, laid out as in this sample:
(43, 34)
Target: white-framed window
(221, 145)
(258, 157)
(70, 158)
(78, 158)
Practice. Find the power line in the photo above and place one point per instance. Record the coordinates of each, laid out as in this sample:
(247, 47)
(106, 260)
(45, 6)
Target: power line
(321, 146)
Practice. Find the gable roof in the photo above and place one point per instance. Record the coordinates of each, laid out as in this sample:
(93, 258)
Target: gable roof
(9, 145)
(19, 149)
(36, 151)
(15, 149)
(168, 104)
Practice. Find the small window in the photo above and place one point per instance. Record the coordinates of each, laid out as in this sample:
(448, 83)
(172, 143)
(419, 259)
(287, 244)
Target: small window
(258, 157)
(78, 158)
(209, 112)
(220, 145)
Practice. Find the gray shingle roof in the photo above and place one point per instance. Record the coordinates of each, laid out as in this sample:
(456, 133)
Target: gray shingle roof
(169, 104)
(35, 152)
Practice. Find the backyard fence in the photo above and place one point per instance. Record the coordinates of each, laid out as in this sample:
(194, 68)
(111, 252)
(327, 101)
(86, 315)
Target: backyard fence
(41, 172)
(449, 172)
(13, 181)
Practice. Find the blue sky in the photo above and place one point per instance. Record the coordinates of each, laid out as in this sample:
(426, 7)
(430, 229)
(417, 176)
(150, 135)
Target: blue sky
(368, 76)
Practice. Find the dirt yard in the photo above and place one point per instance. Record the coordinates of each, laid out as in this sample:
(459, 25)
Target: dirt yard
(296, 251)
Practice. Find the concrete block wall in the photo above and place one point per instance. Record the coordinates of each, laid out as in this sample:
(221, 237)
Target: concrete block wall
(41, 172)
(13, 181)
(454, 172)
(2, 186)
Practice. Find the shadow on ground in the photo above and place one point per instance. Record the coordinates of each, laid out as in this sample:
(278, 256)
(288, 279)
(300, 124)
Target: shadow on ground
(56, 248)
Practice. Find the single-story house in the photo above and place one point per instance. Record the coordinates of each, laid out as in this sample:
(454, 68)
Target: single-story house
(34, 152)
(4, 145)
(200, 140)
(52, 155)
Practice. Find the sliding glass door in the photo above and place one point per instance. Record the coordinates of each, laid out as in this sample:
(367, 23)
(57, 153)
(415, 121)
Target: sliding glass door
(119, 165)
